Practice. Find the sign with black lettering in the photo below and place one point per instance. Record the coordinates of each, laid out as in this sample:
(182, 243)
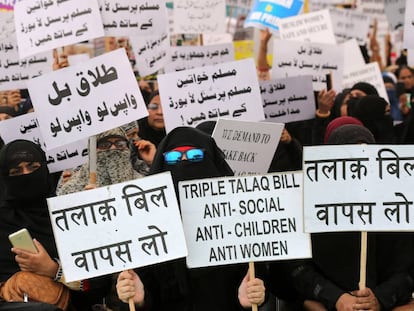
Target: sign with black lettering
(123, 226)
(241, 219)
(358, 188)
(248, 146)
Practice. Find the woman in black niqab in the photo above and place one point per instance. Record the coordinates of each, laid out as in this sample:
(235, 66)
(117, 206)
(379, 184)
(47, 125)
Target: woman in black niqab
(24, 205)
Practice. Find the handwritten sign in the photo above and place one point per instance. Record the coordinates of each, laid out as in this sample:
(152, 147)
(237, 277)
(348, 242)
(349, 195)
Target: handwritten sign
(296, 58)
(378, 180)
(311, 27)
(268, 14)
(151, 52)
(134, 17)
(217, 38)
(409, 25)
(349, 24)
(78, 101)
(27, 127)
(224, 90)
(194, 16)
(47, 24)
(189, 57)
(316, 5)
(288, 100)
(367, 73)
(248, 146)
(395, 12)
(138, 223)
(242, 219)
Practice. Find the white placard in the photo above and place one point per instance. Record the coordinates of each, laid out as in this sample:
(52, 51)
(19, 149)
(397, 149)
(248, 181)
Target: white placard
(241, 219)
(409, 25)
(288, 100)
(247, 4)
(79, 101)
(151, 52)
(296, 58)
(27, 127)
(14, 72)
(353, 57)
(350, 24)
(369, 73)
(189, 57)
(248, 146)
(395, 12)
(134, 17)
(311, 27)
(196, 17)
(378, 181)
(217, 38)
(138, 224)
(227, 90)
(44, 25)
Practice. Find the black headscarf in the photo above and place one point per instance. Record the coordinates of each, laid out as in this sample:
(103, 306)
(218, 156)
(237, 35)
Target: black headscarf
(25, 204)
(213, 165)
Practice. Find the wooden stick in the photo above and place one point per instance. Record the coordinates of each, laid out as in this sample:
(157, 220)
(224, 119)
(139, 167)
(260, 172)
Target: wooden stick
(363, 262)
(252, 276)
(131, 304)
(92, 160)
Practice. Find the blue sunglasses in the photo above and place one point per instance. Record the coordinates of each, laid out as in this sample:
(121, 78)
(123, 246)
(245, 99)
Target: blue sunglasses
(193, 155)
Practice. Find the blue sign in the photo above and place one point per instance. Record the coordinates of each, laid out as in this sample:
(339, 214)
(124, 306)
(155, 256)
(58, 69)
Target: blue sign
(266, 14)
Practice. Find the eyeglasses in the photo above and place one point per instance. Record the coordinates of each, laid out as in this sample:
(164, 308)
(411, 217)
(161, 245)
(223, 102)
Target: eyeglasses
(192, 155)
(153, 106)
(106, 144)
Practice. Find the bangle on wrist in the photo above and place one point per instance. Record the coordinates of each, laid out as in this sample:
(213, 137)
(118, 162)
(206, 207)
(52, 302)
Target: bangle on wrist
(322, 114)
(59, 272)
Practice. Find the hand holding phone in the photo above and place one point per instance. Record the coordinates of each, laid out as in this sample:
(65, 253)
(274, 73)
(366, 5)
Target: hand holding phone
(22, 239)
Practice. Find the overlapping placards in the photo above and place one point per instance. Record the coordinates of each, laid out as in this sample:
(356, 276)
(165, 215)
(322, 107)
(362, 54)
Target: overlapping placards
(242, 219)
(138, 224)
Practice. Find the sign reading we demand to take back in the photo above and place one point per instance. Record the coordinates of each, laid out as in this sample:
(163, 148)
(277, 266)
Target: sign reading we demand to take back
(122, 226)
(242, 219)
(358, 188)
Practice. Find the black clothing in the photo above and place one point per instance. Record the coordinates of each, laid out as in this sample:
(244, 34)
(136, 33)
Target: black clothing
(171, 285)
(148, 133)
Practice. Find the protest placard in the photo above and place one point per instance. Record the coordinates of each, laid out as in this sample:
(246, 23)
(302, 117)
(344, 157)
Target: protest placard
(267, 14)
(310, 27)
(295, 58)
(27, 127)
(288, 100)
(227, 90)
(378, 181)
(409, 25)
(78, 101)
(369, 73)
(152, 53)
(246, 4)
(14, 72)
(44, 25)
(196, 17)
(353, 57)
(134, 17)
(242, 219)
(248, 146)
(138, 223)
(348, 24)
(395, 12)
(189, 57)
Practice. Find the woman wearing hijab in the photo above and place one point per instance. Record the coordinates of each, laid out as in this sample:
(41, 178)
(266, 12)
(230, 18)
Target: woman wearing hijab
(24, 172)
(113, 164)
(189, 153)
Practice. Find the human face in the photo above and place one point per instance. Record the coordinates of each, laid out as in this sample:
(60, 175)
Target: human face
(24, 168)
(112, 143)
(407, 78)
(155, 116)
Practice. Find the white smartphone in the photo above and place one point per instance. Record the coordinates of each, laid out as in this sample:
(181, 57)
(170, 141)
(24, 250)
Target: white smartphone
(22, 239)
